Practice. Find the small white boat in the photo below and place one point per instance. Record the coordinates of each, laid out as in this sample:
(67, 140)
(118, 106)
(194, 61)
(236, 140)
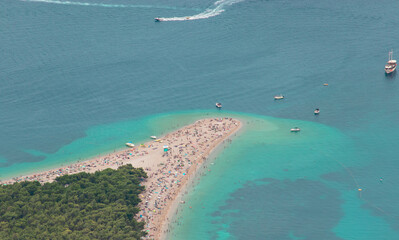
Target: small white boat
(129, 144)
(153, 137)
(218, 105)
(278, 97)
(317, 111)
(295, 129)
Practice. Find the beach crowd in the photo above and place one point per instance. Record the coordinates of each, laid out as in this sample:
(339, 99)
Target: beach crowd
(169, 163)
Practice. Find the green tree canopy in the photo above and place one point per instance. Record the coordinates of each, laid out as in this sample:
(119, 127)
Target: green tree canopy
(99, 205)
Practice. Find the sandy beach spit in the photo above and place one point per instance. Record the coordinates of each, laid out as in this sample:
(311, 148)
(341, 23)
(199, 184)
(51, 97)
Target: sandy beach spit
(169, 162)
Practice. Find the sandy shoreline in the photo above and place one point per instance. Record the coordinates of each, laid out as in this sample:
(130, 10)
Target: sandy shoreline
(168, 171)
(194, 144)
(193, 179)
(173, 206)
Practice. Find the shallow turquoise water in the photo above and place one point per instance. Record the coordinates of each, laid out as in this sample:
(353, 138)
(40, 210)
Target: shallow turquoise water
(79, 78)
(103, 139)
(274, 184)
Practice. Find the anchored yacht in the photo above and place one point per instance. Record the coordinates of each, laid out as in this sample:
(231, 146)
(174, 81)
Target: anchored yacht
(391, 64)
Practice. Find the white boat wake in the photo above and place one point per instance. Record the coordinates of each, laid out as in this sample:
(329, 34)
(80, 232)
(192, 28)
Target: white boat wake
(216, 9)
(105, 5)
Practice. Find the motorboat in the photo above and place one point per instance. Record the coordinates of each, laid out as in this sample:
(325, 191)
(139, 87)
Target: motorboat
(153, 137)
(325, 84)
(157, 19)
(390, 66)
(130, 144)
(278, 97)
(295, 129)
(218, 105)
(316, 111)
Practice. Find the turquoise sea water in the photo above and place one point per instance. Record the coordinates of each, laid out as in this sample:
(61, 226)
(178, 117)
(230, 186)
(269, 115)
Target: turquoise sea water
(80, 78)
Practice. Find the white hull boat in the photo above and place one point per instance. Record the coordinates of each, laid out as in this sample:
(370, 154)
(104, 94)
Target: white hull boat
(295, 129)
(390, 67)
(278, 97)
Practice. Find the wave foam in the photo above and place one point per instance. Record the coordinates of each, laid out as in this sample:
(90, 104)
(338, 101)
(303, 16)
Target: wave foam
(218, 8)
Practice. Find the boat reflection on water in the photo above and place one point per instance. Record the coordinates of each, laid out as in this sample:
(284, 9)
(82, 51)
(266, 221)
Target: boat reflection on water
(391, 75)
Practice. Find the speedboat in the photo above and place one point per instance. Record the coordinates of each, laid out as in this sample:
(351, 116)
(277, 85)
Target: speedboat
(157, 19)
(218, 105)
(295, 129)
(153, 137)
(317, 111)
(325, 84)
(130, 144)
(391, 64)
(278, 97)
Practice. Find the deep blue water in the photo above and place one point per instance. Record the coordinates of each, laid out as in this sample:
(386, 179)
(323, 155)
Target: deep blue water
(68, 67)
